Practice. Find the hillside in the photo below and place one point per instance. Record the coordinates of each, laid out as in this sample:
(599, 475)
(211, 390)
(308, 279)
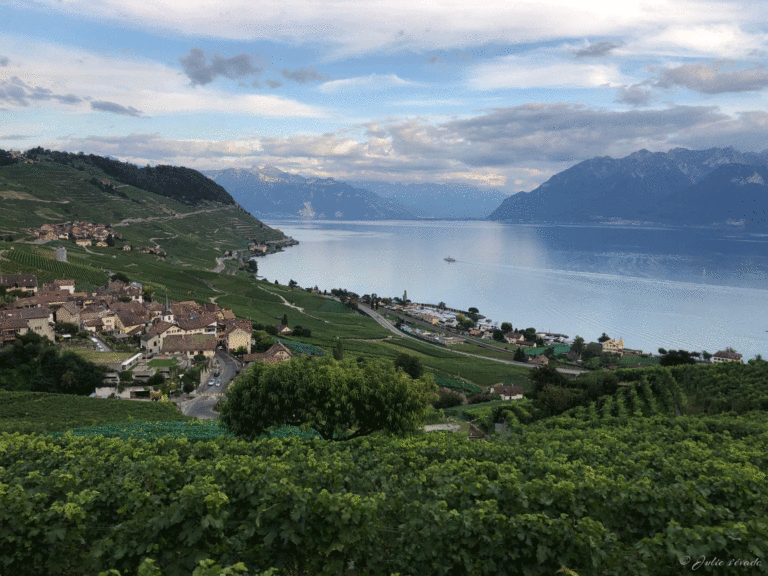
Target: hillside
(270, 192)
(193, 219)
(675, 187)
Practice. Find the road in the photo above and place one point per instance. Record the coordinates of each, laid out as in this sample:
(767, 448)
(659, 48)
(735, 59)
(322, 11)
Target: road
(207, 396)
(389, 326)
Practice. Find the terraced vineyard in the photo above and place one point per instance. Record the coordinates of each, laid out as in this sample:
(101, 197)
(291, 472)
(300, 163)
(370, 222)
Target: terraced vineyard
(40, 261)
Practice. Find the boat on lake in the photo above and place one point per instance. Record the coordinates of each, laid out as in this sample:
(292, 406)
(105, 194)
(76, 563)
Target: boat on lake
(449, 259)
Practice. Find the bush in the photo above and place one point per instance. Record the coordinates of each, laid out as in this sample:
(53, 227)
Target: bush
(484, 397)
(447, 399)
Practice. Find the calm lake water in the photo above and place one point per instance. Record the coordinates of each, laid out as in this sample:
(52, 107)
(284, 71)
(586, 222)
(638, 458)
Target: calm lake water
(697, 289)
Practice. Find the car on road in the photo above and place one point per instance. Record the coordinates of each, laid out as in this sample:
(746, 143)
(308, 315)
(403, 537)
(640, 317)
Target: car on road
(210, 382)
(218, 382)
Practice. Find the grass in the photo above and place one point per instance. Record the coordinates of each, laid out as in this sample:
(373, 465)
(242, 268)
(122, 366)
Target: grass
(158, 363)
(102, 357)
(28, 412)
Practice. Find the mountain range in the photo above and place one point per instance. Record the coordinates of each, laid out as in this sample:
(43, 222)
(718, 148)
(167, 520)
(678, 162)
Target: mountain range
(687, 187)
(271, 193)
(430, 200)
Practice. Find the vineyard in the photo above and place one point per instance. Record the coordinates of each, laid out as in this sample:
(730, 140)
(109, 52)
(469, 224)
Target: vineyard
(41, 412)
(457, 385)
(302, 347)
(40, 261)
(602, 497)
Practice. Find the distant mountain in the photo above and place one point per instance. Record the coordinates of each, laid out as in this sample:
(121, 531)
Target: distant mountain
(429, 200)
(680, 186)
(270, 192)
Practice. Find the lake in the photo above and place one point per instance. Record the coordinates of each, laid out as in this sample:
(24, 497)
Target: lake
(696, 289)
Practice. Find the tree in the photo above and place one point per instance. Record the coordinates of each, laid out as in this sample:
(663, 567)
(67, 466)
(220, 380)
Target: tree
(441, 305)
(447, 399)
(529, 334)
(405, 296)
(520, 355)
(706, 355)
(339, 400)
(285, 319)
(498, 335)
(604, 338)
(253, 266)
(473, 310)
(292, 283)
(506, 327)
(271, 329)
(120, 276)
(338, 350)
(663, 352)
(677, 357)
(409, 364)
(578, 345)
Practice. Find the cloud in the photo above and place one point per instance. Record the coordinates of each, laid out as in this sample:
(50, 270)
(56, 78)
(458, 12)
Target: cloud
(200, 73)
(522, 145)
(4, 61)
(14, 137)
(372, 81)
(539, 69)
(152, 88)
(16, 91)
(273, 83)
(102, 106)
(304, 74)
(635, 95)
(346, 27)
(708, 78)
(596, 50)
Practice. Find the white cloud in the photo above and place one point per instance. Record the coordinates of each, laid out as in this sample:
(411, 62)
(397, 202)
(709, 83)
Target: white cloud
(149, 87)
(718, 40)
(543, 69)
(359, 26)
(370, 82)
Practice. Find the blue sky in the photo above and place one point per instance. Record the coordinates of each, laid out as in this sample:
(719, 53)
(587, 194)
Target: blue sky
(501, 95)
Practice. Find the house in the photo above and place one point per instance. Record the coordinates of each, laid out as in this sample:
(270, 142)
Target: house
(278, 352)
(507, 392)
(514, 337)
(539, 360)
(614, 347)
(83, 242)
(151, 343)
(283, 330)
(727, 355)
(191, 345)
(18, 322)
(68, 312)
(25, 282)
(236, 334)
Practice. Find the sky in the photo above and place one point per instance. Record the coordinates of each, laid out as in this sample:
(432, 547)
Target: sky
(502, 94)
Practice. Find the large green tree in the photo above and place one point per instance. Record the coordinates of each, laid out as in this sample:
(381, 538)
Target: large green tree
(340, 400)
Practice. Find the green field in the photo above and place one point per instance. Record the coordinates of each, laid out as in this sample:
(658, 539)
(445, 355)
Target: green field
(28, 412)
(102, 357)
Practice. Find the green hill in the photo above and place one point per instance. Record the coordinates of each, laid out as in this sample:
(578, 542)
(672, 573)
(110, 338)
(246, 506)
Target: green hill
(187, 215)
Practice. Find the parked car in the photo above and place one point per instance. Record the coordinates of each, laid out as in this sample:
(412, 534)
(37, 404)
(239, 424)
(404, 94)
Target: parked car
(218, 382)
(210, 382)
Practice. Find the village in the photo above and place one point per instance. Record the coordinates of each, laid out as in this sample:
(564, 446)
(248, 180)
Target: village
(446, 326)
(118, 327)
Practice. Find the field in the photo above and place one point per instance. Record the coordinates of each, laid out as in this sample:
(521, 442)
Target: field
(28, 412)
(102, 357)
